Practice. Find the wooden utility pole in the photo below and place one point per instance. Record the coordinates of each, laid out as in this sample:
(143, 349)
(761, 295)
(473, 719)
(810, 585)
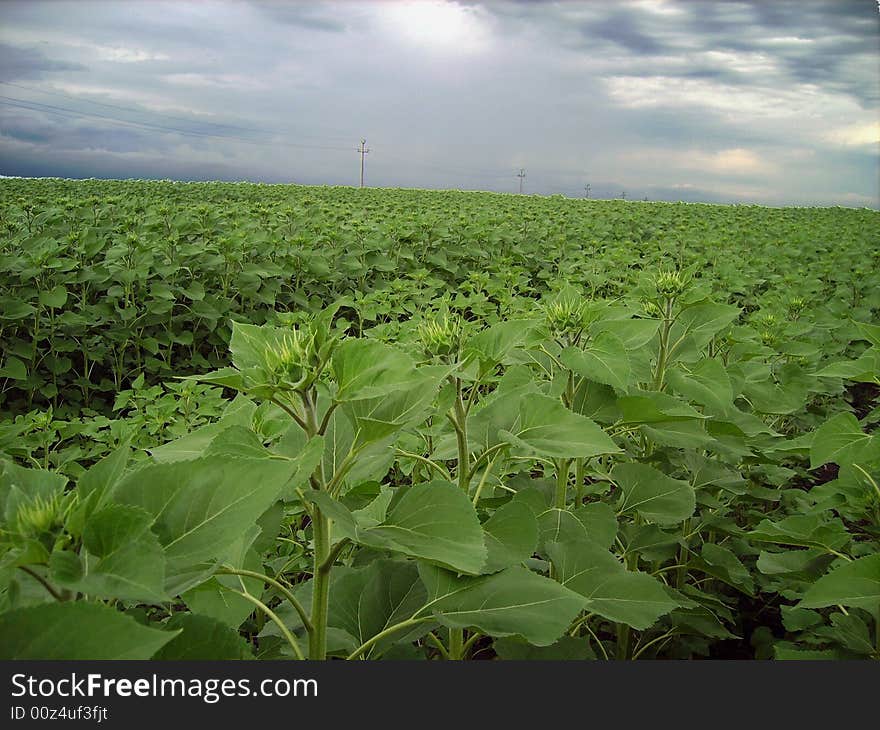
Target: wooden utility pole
(521, 175)
(363, 150)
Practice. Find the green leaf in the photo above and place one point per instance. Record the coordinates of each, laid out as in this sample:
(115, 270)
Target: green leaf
(124, 558)
(656, 408)
(491, 346)
(813, 561)
(514, 602)
(841, 440)
(849, 631)
(567, 648)
(633, 333)
(697, 325)
(202, 638)
(706, 383)
(653, 495)
(372, 462)
(435, 522)
(250, 344)
(604, 360)
(54, 298)
(511, 535)
(366, 601)
(855, 584)
(600, 522)
(237, 441)
(14, 369)
(213, 599)
(636, 599)
(814, 531)
(548, 428)
(498, 413)
(104, 475)
(194, 444)
(201, 507)
(723, 564)
(377, 418)
(864, 369)
(77, 630)
(369, 368)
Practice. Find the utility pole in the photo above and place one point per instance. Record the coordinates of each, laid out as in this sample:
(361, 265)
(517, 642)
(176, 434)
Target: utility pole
(363, 150)
(587, 189)
(521, 175)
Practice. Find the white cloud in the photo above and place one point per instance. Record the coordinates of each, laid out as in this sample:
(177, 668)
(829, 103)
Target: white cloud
(856, 135)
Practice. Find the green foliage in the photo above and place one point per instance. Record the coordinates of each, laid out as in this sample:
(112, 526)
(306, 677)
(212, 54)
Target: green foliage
(277, 422)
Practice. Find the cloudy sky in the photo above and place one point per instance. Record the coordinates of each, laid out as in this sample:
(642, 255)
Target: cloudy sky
(771, 101)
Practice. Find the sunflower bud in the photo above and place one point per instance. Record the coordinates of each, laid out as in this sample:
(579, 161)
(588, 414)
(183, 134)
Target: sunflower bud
(440, 335)
(39, 516)
(565, 316)
(671, 284)
(287, 361)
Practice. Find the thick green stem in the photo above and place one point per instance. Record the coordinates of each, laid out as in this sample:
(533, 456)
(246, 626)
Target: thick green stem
(578, 482)
(681, 573)
(623, 636)
(624, 632)
(321, 586)
(562, 469)
(663, 353)
(456, 644)
(460, 421)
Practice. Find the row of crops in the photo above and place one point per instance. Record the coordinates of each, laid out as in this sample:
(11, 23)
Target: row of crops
(248, 421)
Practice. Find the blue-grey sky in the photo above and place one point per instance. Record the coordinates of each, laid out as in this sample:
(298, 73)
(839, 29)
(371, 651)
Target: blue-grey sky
(770, 101)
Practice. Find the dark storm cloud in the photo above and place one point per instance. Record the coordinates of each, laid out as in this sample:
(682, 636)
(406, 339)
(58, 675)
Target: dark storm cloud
(302, 15)
(17, 63)
(625, 30)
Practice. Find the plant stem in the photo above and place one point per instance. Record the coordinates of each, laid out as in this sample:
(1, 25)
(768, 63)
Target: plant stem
(432, 637)
(456, 644)
(578, 482)
(483, 482)
(42, 581)
(460, 420)
(623, 634)
(320, 586)
(304, 617)
(681, 573)
(367, 645)
(274, 617)
(562, 469)
(660, 372)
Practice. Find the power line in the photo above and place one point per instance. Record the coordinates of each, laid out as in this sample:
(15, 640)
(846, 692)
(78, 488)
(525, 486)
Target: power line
(154, 113)
(67, 112)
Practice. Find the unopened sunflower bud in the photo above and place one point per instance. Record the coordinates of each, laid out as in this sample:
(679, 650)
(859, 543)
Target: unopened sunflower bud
(39, 516)
(671, 283)
(440, 335)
